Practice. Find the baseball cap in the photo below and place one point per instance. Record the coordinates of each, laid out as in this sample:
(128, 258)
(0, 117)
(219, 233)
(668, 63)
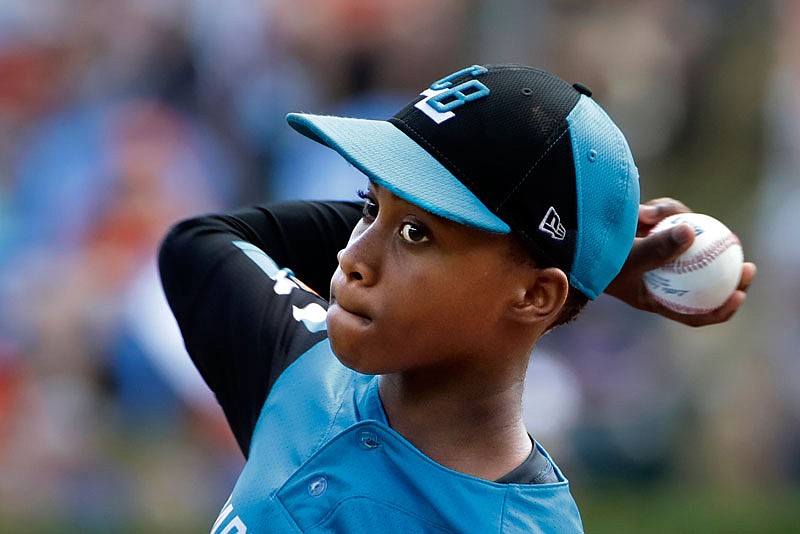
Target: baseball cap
(506, 149)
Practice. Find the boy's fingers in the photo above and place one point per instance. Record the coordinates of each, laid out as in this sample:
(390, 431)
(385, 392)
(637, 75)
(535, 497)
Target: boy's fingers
(652, 211)
(720, 315)
(748, 273)
(724, 312)
(657, 249)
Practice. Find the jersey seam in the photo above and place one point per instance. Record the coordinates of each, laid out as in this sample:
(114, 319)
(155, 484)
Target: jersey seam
(324, 438)
(503, 511)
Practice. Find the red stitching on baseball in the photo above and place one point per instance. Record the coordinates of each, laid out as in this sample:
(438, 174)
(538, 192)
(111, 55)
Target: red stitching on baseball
(704, 257)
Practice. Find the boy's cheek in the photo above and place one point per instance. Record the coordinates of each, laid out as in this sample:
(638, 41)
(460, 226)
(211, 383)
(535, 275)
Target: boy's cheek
(336, 280)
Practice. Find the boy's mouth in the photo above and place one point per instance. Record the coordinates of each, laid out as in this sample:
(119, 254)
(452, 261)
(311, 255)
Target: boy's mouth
(350, 308)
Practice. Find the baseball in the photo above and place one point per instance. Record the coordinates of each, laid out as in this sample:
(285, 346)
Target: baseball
(705, 276)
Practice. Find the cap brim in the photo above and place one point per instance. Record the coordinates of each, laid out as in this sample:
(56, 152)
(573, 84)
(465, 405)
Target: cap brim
(393, 160)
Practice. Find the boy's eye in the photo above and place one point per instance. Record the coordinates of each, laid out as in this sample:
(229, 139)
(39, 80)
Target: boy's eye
(412, 233)
(370, 208)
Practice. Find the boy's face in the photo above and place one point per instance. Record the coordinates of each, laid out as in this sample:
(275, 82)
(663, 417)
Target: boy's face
(414, 290)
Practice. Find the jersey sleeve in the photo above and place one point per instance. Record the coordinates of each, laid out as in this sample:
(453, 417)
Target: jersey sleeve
(236, 285)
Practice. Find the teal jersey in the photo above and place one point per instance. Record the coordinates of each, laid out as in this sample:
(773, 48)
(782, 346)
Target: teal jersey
(324, 459)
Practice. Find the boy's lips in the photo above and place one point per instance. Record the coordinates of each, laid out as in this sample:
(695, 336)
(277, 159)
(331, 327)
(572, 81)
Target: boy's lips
(351, 308)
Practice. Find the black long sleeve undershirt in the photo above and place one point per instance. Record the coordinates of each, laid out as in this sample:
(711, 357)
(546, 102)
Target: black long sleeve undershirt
(225, 304)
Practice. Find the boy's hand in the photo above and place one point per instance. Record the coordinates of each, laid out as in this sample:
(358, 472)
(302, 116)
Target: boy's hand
(649, 252)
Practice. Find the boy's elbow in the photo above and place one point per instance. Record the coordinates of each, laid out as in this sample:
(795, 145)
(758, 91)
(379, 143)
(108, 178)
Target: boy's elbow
(171, 242)
(177, 247)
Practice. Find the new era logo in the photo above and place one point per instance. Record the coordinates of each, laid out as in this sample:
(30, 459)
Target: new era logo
(551, 224)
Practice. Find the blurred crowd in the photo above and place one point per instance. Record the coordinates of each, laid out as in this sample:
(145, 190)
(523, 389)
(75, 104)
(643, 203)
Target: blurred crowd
(118, 118)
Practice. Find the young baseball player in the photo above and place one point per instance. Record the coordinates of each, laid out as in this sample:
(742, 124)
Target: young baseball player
(388, 398)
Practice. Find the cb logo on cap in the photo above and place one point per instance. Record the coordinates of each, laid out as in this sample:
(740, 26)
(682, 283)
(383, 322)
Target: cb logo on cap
(442, 97)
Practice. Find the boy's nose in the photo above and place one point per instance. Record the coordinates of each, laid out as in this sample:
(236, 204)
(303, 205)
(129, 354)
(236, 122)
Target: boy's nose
(349, 271)
(353, 264)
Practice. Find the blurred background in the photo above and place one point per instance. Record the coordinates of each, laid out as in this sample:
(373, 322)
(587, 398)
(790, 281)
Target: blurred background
(117, 118)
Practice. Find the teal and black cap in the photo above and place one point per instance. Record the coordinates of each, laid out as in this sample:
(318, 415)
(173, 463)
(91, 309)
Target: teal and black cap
(506, 149)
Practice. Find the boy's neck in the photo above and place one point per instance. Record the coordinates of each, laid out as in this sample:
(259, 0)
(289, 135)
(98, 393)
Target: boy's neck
(463, 423)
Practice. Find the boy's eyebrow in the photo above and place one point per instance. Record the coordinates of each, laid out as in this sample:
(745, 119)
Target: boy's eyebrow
(377, 189)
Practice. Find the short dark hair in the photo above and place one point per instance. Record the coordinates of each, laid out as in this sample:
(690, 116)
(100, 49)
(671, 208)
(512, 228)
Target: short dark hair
(576, 300)
(574, 304)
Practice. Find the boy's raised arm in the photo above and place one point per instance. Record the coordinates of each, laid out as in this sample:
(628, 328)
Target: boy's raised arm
(226, 281)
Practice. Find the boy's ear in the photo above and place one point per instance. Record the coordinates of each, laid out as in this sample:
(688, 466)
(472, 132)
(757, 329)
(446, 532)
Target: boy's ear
(542, 297)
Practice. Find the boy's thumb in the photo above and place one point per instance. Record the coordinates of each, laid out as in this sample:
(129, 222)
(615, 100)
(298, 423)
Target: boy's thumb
(659, 248)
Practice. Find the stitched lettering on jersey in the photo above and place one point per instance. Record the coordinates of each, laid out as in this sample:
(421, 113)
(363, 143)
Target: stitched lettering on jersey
(312, 315)
(224, 525)
(283, 283)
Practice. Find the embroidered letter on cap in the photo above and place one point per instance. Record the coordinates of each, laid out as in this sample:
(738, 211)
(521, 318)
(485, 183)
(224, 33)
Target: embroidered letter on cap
(551, 224)
(427, 109)
(442, 97)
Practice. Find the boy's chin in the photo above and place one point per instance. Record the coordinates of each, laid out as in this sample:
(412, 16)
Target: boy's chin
(358, 360)
(357, 364)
